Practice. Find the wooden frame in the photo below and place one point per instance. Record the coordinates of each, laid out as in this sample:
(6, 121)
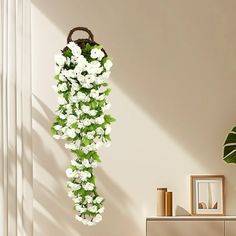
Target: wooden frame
(194, 195)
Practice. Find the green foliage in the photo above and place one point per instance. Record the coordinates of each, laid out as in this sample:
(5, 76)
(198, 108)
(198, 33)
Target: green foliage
(230, 147)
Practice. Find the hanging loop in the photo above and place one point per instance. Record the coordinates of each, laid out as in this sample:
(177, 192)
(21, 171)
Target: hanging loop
(90, 38)
(81, 42)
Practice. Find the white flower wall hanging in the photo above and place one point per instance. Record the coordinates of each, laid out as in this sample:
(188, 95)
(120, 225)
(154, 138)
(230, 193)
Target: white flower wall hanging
(82, 70)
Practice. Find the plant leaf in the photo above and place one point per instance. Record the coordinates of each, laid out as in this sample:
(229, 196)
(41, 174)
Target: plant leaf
(230, 147)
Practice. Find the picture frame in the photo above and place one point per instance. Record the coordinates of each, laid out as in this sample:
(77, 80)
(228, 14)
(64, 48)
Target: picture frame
(207, 195)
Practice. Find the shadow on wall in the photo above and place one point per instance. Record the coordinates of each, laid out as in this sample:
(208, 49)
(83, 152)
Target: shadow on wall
(56, 215)
(176, 60)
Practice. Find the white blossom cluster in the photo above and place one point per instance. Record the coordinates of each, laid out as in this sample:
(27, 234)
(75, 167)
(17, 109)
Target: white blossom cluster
(81, 120)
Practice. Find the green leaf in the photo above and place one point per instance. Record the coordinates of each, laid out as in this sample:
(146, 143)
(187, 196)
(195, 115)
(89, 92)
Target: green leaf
(87, 48)
(93, 104)
(101, 103)
(68, 53)
(230, 147)
(106, 59)
(85, 141)
(74, 126)
(56, 77)
(108, 137)
(109, 119)
(96, 157)
(53, 131)
(107, 91)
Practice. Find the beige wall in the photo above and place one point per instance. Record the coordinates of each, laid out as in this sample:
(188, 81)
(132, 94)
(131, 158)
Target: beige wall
(173, 83)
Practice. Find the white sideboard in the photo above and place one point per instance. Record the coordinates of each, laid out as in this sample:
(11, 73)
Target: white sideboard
(191, 225)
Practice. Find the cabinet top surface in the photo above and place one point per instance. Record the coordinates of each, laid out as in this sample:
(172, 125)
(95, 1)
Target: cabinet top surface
(191, 218)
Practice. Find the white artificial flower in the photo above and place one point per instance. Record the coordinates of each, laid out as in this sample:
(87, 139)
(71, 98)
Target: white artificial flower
(98, 200)
(86, 122)
(71, 133)
(86, 149)
(86, 99)
(56, 136)
(108, 129)
(60, 59)
(80, 208)
(106, 107)
(87, 85)
(78, 218)
(73, 59)
(101, 210)
(71, 194)
(90, 78)
(88, 186)
(94, 67)
(99, 80)
(94, 94)
(62, 87)
(92, 147)
(90, 135)
(105, 75)
(99, 120)
(57, 127)
(71, 146)
(71, 119)
(100, 131)
(73, 186)
(101, 97)
(93, 209)
(62, 100)
(92, 113)
(76, 50)
(84, 175)
(75, 163)
(69, 73)
(88, 199)
(75, 86)
(62, 77)
(72, 91)
(74, 99)
(68, 109)
(62, 116)
(98, 145)
(108, 64)
(86, 163)
(81, 79)
(67, 61)
(94, 164)
(77, 199)
(90, 223)
(80, 125)
(97, 218)
(71, 174)
(81, 96)
(97, 54)
(85, 109)
(81, 62)
(78, 112)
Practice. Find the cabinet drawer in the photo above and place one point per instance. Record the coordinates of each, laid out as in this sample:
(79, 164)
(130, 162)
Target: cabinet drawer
(230, 228)
(185, 228)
